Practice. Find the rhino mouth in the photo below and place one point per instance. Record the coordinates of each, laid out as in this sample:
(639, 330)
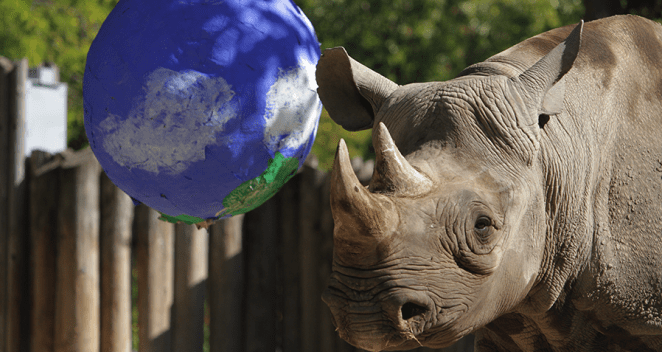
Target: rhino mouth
(374, 332)
(394, 319)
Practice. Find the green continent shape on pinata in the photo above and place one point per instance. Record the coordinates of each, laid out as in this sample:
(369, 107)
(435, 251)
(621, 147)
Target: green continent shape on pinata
(187, 219)
(252, 193)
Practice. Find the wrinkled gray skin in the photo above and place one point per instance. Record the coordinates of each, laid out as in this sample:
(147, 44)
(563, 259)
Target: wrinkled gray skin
(530, 211)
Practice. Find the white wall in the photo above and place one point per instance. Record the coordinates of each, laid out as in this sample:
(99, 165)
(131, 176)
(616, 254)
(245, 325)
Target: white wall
(46, 112)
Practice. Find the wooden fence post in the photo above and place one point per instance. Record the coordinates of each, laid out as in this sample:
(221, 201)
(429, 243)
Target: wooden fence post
(77, 285)
(6, 66)
(311, 289)
(329, 339)
(18, 304)
(155, 266)
(261, 231)
(115, 235)
(44, 195)
(226, 285)
(288, 204)
(190, 281)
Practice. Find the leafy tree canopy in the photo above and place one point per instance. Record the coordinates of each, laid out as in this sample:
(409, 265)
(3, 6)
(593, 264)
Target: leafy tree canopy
(424, 40)
(405, 40)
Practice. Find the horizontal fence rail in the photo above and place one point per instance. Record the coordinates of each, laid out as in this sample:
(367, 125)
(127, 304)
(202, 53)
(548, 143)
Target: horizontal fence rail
(74, 251)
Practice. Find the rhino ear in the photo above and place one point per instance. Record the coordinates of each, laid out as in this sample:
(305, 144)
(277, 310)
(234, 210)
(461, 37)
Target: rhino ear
(350, 92)
(541, 81)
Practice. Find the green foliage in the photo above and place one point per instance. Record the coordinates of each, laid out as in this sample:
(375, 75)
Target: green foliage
(328, 136)
(424, 40)
(421, 40)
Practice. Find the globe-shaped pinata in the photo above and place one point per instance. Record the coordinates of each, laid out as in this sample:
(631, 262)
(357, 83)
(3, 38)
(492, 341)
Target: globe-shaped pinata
(202, 109)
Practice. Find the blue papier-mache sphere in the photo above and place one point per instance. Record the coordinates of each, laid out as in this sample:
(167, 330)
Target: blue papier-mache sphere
(202, 109)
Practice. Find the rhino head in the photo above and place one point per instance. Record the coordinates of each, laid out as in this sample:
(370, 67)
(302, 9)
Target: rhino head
(451, 232)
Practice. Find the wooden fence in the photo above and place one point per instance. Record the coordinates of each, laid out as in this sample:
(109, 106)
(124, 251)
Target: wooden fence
(70, 241)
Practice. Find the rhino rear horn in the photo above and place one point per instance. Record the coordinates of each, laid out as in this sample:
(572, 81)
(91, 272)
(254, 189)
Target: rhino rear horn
(350, 92)
(393, 174)
(539, 80)
(362, 219)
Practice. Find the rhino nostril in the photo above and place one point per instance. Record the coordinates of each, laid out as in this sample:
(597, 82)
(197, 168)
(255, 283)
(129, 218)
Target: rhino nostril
(410, 310)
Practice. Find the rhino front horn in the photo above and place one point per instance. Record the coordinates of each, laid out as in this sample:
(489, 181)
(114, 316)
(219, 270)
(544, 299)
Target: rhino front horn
(393, 175)
(362, 219)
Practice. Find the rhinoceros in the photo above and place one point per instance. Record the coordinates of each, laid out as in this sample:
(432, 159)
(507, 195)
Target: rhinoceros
(520, 201)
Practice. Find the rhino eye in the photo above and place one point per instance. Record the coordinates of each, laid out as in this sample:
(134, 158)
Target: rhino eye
(483, 225)
(480, 241)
